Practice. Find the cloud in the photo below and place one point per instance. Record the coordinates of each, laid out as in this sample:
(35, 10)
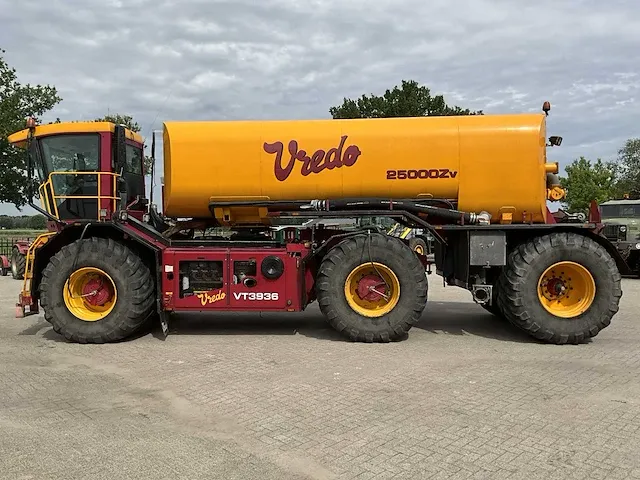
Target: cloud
(272, 59)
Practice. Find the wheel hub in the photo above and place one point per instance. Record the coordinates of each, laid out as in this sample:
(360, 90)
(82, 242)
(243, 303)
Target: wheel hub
(555, 287)
(90, 294)
(372, 289)
(96, 292)
(566, 289)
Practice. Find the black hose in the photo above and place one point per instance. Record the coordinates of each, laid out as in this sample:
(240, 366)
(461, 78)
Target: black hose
(418, 206)
(75, 258)
(426, 205)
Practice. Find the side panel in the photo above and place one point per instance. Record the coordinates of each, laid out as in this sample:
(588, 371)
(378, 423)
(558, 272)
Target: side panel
(267, 294)
(200, 279)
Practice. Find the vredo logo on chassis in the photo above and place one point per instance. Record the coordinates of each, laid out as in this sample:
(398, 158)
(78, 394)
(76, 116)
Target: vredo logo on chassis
(256, 296)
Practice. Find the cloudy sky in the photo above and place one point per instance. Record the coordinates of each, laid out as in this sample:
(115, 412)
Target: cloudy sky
(260, 59)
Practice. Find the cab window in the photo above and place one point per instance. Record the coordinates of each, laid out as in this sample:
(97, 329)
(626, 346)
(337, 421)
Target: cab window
(134, 160)
(71, 153)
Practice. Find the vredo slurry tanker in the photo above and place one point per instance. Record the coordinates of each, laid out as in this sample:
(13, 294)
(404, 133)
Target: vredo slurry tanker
(478, 184)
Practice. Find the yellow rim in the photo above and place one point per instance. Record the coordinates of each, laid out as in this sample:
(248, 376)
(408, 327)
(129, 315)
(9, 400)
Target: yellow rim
(419, 249)
(90, 294)
(566, 289)
(372, 289)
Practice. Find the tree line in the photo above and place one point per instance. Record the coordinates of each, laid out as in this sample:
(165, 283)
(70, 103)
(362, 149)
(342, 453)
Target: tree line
(24, 222)
(584, 179)
(600, 180)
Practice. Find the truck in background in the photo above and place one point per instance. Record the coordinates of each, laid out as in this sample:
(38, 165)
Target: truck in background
(621, 219)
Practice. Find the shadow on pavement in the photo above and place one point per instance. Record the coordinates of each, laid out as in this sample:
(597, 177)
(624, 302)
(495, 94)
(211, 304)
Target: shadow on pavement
(310, 323)
(464, 318)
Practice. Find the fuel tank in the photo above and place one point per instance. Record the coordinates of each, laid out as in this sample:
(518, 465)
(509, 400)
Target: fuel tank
(495, 163)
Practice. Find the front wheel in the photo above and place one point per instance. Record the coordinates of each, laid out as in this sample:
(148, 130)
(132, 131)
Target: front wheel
(371, 288)
(107, 296)
(560, 288)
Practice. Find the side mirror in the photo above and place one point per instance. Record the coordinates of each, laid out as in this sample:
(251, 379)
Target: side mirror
(120, 147)
(555, 141)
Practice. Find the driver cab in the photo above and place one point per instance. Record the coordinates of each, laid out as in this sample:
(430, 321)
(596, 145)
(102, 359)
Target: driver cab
(77, 163)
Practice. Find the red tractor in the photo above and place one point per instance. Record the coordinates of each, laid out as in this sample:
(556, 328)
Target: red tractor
(17, 261)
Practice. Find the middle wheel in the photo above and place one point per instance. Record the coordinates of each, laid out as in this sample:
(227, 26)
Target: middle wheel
(372, 288)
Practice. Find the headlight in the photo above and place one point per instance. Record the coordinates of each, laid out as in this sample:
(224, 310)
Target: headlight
(638, 246)
(623, 228)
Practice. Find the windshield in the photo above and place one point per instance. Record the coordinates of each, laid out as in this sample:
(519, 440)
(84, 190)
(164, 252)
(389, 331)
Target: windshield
(78, 153)
(620, 211)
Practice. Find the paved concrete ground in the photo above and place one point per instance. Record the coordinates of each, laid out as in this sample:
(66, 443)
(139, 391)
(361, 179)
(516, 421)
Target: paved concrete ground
(283, 397)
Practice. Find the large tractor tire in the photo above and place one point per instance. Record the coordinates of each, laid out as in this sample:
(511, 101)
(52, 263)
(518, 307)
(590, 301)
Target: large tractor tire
(18, 264)
(560, 288)
(107, 297)
(372, 288)
(418, 245)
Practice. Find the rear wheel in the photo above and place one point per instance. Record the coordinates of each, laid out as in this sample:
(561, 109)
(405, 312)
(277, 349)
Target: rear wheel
(372, 288)
(418, 245)
(18, 264)
(107, 296)
(560, 288)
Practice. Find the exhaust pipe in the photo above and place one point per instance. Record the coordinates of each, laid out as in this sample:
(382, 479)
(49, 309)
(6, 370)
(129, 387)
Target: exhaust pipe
(249, 282)
(482, 294)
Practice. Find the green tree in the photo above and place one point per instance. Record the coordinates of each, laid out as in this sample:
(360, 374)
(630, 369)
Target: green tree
(37, 222)
(17, 102)
(128, 122)
(586, 181)
(118, 119)
(6, 222)
(410, 100)
(628, 168)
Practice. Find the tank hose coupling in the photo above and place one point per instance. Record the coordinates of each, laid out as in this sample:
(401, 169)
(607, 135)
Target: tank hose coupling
(317, 205)
(482, 218)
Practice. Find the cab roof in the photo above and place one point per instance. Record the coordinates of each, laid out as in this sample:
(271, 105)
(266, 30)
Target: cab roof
(19, 139)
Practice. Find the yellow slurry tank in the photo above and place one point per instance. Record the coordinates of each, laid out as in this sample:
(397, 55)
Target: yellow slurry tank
(495, 163)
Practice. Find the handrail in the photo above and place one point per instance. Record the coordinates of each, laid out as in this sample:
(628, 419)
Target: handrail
(50, 201)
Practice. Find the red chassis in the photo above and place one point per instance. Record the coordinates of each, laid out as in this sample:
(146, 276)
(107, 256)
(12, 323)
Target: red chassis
(243, 284)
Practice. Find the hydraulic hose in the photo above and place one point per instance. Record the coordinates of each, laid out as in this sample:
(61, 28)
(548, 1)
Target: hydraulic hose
(414, 206)
(425, 206)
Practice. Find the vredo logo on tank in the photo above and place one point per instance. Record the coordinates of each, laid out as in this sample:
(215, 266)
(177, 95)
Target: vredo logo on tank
(314, 163)
(335, 158)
